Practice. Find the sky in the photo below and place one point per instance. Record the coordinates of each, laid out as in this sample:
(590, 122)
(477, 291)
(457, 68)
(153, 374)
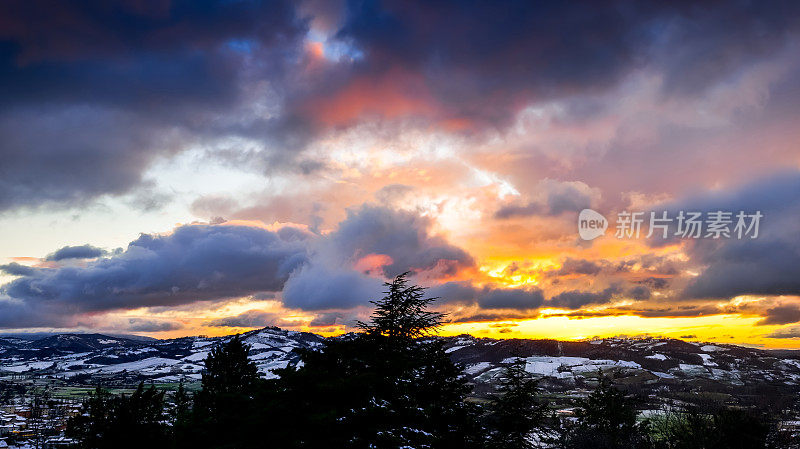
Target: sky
(181, 167)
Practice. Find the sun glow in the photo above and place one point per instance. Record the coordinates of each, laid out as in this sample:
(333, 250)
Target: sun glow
(731, 328)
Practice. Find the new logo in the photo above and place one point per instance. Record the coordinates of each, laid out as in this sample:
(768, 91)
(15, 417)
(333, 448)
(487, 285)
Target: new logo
(591, 224)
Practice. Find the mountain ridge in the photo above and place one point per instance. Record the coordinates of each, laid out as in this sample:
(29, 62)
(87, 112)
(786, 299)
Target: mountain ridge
(645, 364)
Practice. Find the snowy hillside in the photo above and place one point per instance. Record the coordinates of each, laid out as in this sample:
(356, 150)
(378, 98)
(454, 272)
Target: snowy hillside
(83, 356)
(648, 364)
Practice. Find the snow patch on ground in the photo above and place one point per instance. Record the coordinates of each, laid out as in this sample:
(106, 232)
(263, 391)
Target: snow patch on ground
(711, 348)
(477, 367)
(707, 360)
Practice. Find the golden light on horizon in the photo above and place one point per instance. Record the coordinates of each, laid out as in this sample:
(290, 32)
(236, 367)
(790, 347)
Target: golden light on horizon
(723, 329)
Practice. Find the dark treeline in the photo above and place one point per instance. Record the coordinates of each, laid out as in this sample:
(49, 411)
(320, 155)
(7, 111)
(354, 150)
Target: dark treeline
(391, 386)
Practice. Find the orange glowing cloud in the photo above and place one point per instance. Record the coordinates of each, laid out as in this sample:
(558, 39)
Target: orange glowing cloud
(372, 263)
(395, 94)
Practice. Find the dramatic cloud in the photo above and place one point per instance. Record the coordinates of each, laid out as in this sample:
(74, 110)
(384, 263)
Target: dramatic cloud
(655, 283)
(789, 332)
(556, 198)
(489, 297)
(327, 319)
(343, 269)
(193, 263)
(485, 61)
(15, 269)
(639, 293)
(781, 315)
(348, 142)
(575, 299)
(402, 236)
(76, 252)
(92, 92)
(146, 325)
(511, 298)
(766, 265)
(251, 318)
(316, 287)
(579, 266)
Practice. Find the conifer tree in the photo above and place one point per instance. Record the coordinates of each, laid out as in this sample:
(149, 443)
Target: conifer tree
(122, 422)
(517, 412)
(229, 371)
(606, 419)
(223, 409)
(402, 315)
(390, 386)
(182, 406)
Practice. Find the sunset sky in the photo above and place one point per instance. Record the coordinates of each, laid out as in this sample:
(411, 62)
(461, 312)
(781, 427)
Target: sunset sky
(172, 168)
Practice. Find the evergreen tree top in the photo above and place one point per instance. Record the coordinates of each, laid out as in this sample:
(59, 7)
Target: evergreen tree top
(402, 314)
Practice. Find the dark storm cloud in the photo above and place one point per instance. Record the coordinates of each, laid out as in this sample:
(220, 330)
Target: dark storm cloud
(488, 297)
(579, 266)
(766, 265)
(650, 263)
(251, 318)
(135, 53)
(76, 252)
(639, 293)
(558, 198)
(575, 299)
(781, 315)
(706, 41)
(16, 269)
(316, 287)
(194, 263)
(674, 312)
(511, 298)
(91, 92)
(403, 236)
(335, 318)
(146, 325)
(489, 316)
(326, 319)
(67, 155)
(483, 60)
(671, 312)
(789, 332)
(212, 262)
(654, 283)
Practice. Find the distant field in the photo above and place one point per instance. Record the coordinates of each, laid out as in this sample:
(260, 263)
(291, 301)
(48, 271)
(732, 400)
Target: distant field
(57, 389)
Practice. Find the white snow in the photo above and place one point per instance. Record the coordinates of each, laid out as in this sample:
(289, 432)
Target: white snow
(564, 367)
(139, 365)
(453, 349)
(711, 348)
(477, 367)
(197, 356)
(707, 359)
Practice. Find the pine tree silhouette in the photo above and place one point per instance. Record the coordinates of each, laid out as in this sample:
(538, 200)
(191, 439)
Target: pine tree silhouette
(402, 314)
(224, 409)
(517, 412)
(391, 386)
(606, 419)
(229, 370)
(122, 422)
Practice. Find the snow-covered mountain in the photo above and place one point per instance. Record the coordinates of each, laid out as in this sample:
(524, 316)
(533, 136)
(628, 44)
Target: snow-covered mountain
(98, 357)
(648, 364)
